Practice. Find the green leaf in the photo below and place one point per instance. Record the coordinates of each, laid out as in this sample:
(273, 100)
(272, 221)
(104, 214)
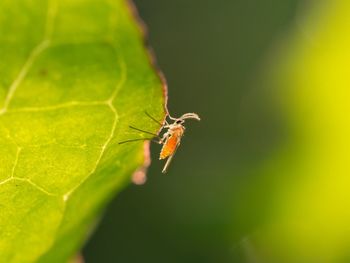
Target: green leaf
(74, 76)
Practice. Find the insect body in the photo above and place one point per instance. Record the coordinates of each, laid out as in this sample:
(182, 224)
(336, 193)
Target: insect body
(171, 139)
(171, 142)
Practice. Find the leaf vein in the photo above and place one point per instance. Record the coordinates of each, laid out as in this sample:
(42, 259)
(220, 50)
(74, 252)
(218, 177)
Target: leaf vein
(58, 106)
(104, 146)
(29, 182)
(43, 45)
(35, 53)
(19, 149)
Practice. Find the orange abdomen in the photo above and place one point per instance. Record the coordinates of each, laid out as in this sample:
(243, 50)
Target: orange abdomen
(169, 146)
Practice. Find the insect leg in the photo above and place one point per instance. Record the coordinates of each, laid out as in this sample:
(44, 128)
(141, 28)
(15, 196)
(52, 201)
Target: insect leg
(154, 119)
(137, 129)
(140, 139)
(171, 118)
(168, 161)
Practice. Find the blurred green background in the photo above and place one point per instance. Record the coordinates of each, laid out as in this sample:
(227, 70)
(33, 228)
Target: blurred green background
(254, 180)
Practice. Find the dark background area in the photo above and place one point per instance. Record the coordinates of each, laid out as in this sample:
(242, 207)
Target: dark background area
(212, 53)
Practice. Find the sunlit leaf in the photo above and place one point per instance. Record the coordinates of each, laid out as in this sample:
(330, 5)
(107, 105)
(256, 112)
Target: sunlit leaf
(74, 76)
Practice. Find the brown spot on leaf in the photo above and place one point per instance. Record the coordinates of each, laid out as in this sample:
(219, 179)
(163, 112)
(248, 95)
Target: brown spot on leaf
(43, 72)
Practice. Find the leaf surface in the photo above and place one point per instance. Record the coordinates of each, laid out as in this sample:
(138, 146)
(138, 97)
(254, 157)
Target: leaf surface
(74, 76)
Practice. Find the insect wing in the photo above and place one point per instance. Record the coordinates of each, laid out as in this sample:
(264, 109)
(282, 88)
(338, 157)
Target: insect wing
(169, 146)
(170, 158)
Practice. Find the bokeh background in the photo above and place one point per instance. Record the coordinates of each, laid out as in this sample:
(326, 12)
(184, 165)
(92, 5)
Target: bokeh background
(263, 176)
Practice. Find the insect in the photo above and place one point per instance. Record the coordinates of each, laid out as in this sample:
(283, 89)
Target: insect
(171, 138)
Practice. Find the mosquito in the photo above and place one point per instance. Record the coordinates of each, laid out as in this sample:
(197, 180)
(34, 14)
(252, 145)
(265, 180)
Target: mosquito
(171, 139)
